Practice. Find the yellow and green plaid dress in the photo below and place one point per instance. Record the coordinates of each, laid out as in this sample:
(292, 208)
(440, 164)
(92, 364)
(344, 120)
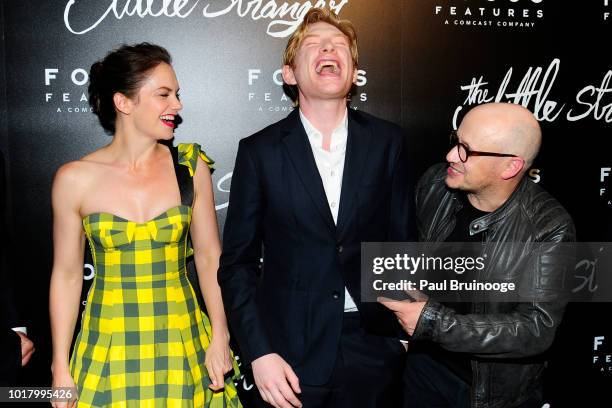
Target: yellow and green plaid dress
(143, 336)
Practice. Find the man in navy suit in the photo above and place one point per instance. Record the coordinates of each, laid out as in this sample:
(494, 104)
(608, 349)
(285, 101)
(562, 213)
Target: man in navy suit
(306, 191)
(15, 347)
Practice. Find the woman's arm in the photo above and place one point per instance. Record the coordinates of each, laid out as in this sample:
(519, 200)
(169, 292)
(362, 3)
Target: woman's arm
(207, 249)
(67, 273)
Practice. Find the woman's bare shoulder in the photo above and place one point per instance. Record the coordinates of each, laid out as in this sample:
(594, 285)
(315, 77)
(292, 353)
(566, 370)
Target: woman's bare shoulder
(82, 171)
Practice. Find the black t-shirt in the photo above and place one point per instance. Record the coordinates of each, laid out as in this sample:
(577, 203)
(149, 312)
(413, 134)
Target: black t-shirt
(465, 216)
(459, 363)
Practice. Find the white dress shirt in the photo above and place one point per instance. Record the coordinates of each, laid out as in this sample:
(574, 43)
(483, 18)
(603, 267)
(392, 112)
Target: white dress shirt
(331, 168)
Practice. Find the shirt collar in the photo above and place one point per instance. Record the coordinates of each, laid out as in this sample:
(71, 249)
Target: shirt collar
(339, 134)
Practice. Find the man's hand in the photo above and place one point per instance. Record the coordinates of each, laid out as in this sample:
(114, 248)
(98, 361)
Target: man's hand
(407, 312)
(276, 381)
(27, 348)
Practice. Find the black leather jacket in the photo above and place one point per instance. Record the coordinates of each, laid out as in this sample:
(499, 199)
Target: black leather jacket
(505, 340)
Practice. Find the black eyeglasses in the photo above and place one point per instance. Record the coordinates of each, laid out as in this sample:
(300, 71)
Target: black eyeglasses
(464, 152)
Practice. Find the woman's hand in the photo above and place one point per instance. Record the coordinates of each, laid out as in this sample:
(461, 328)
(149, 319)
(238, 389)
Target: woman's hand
(63, 379)
(218, 360)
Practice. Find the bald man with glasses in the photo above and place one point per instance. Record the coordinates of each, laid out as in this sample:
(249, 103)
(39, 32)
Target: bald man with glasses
(485, 352)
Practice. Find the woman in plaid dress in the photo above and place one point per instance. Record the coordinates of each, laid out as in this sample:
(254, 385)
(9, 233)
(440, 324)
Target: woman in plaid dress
(143, 341)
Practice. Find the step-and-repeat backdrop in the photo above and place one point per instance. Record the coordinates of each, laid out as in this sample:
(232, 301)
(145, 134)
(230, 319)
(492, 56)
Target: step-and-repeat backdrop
(423, 64)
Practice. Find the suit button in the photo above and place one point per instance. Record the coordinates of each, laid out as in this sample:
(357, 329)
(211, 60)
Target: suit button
(336, 294)
(339, 248)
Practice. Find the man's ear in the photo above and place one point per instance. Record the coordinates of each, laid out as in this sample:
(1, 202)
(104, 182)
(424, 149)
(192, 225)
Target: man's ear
(122, 103)
(355, 75)
(514, 167)
(288, 75)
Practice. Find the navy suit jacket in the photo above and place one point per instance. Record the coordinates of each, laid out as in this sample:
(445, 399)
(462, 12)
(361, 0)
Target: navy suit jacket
(278, 211)
(8, 314)
(10, 343)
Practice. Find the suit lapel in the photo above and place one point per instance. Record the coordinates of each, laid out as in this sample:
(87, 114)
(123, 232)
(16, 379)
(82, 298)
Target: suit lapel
(300, 152)
(358, 141)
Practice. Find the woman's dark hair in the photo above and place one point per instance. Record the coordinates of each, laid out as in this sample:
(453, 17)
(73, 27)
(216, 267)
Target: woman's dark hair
(122, 70)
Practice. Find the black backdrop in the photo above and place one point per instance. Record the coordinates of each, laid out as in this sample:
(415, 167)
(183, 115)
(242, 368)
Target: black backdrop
(423, 63)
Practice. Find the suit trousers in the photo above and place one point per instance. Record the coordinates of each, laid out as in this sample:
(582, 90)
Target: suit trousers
(10, 357)
(367, 372)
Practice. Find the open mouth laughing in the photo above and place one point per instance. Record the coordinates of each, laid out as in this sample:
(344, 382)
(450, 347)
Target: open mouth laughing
(328, 67)
(168, 120)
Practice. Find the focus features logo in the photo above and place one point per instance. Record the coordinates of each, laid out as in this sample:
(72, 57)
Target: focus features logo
(266, 90)
(534, 175)
(64, 89)
(604, 180)
(509, 14)
(602, 360)
(89, 272)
